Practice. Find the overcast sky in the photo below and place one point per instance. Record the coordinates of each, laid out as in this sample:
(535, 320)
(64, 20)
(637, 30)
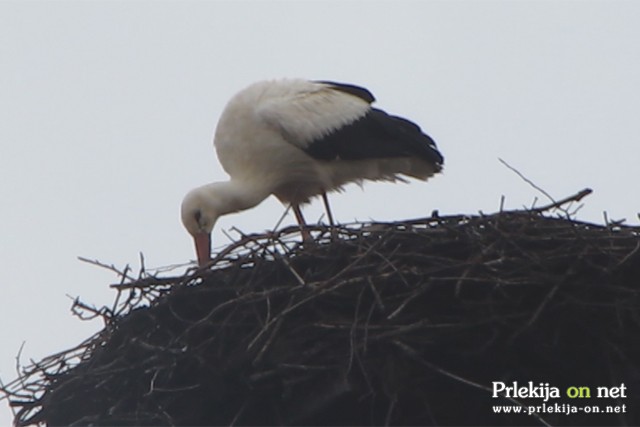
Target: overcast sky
(108, 111)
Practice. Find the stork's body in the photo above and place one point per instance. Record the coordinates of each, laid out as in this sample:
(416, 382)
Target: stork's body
(297, 139)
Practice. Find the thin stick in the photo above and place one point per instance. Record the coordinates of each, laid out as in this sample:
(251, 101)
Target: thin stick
(527, 180)
(413, 354)
(282, 217)
(18, 356)
(555, 204)
(108, 267)
(575, 198)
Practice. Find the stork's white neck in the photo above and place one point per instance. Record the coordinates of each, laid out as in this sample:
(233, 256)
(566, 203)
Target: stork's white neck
(202, 206)
(233, 196)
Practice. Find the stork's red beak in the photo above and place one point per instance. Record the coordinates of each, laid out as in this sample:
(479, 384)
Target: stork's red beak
(203, 248)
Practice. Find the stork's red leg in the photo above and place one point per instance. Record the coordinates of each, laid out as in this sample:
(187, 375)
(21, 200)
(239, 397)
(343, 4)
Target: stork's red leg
(306, 236)
(325, 199)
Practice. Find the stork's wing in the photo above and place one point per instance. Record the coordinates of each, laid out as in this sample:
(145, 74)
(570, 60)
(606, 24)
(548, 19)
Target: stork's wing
(377, 135)
(335, 120)
(312, 110)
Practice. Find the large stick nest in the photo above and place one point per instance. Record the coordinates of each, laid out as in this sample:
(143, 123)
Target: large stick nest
(372, 324)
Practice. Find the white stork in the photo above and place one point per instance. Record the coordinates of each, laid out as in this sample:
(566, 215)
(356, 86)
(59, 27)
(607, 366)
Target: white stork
(297, 139)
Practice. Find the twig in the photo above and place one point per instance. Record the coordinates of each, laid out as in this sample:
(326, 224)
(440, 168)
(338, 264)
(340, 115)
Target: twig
(103, 312)
(18, 360)
(575, 198)
(629, 255)
(109, 267)
(142, 273)
(527, 180)
(414, 355)
(554, 204)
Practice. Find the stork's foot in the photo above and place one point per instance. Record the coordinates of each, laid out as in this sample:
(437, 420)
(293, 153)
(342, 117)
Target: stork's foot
(306, 235)
(307, 238)
(333, 230)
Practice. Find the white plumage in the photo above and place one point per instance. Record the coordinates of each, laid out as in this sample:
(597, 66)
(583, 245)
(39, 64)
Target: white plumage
(297, 139)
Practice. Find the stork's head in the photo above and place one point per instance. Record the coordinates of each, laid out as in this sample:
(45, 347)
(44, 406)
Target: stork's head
(202, 207)
(199, 215)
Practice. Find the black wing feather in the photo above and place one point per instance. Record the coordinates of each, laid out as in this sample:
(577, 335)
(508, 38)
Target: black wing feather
(377, 135)
(354, 90)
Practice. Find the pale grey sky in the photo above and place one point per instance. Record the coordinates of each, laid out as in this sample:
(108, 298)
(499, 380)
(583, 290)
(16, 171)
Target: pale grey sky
(108, 108)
